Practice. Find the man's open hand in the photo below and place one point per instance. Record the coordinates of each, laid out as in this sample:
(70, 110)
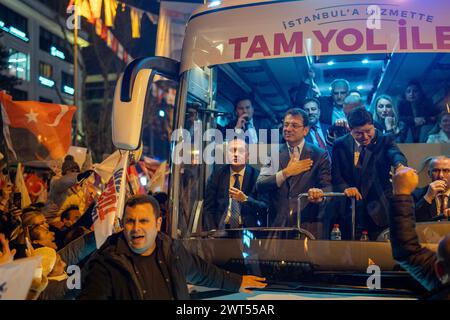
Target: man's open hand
(252, 282)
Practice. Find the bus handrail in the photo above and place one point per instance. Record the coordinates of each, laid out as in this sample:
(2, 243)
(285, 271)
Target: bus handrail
(327, 195)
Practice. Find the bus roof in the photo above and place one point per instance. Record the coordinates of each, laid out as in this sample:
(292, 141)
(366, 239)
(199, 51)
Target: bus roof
(239, 30)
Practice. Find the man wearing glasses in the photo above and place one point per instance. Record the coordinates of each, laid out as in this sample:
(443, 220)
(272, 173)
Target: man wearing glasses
(303, 168)
(432, 200)
(361, 165)
(331, 106)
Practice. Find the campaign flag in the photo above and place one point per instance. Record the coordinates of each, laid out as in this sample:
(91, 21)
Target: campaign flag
(158, 180)
(36, 130)
(134, 180)
(110, 204)
(16, 277)
(22, 187)
(106, 168)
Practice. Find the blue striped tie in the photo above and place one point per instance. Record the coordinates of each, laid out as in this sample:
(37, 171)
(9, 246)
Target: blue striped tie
(235, 205)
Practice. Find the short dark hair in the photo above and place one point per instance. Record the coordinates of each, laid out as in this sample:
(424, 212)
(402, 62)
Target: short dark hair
(308, 100)
(143, 199)
(359, 117)
(298, 112)
(66, 212)
(243, 97)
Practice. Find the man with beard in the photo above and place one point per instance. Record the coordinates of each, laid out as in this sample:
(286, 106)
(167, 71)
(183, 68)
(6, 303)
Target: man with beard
(140, 263)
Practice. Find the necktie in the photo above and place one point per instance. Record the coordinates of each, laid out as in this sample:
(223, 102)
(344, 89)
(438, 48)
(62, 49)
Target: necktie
(362, 152)
(294, 152)
(443, 202)
(253, 137)
(318, 138)
(235, 205)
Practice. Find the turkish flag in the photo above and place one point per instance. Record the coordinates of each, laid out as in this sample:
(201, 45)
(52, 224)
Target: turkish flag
(36, 130)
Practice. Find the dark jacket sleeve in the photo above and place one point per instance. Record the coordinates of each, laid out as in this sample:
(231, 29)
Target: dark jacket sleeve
(96, 285)
(417, 260)
(325, 172)
(78, 249)
(299, 94)
(258, 202)
(210, 205)
(267, 181)
(393, 153)
(423, 209)
(202, 273)
(337, 166)
(55, 290)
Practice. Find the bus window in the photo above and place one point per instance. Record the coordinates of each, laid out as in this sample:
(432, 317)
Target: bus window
(380, 83)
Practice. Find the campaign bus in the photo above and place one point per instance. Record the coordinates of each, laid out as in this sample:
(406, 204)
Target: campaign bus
(277, 54)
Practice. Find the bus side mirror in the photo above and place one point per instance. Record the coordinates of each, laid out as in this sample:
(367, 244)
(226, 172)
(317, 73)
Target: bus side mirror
(127, 115)
(130, 97)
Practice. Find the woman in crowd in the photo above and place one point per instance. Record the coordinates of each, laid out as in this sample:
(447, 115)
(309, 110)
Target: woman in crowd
(417, 111)
(385, 117)
(441, 133)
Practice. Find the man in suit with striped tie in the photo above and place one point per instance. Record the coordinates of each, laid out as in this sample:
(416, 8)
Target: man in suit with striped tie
(432, 200)
(231, 199)
(303, 168)
(317, 131)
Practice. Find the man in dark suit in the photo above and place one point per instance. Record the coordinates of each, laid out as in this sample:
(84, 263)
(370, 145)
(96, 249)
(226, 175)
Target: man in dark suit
(432, 200)
(361, 165)
(300, 167)
(331, 106)
(231, 200)
(244, 123)
(317, 131)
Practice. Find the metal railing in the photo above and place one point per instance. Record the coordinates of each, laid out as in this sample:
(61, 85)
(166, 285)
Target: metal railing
(326, 195)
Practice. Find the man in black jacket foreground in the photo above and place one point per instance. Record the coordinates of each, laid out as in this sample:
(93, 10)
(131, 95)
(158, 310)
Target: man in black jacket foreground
(140, 263)
(431, 269)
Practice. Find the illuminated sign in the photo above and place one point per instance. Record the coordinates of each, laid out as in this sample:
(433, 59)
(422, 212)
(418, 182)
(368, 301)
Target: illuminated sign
(14, 32)
(46, 82)
(56, 53)
(68, 90)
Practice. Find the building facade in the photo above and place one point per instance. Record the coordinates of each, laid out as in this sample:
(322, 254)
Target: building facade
(39, 47)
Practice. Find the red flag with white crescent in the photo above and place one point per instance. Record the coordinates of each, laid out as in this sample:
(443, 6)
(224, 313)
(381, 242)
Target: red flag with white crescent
(36, 130)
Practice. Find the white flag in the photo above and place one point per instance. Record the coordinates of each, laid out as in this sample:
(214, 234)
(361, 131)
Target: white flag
(21, 187)
(16, 277)
(110, 203)
(106, 168)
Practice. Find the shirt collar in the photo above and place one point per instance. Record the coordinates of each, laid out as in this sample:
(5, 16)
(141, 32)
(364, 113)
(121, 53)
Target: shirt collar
(300, 145)
(241, 173)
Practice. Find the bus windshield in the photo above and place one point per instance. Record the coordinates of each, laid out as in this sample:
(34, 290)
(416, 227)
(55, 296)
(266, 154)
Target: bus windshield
(259, 182)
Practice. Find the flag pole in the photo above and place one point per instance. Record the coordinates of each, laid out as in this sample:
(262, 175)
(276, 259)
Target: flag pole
(75, 55)
(75, 71)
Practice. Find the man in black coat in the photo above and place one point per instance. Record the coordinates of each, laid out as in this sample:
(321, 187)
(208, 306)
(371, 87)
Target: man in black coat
(432, 200)
(361, 165)
(300, 167)
(244, 123)
(141, 263)
(224, 193)
(431, 269)
(331, 106)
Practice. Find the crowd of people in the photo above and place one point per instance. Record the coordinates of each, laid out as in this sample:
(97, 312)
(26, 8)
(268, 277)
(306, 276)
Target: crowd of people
(62, 235)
